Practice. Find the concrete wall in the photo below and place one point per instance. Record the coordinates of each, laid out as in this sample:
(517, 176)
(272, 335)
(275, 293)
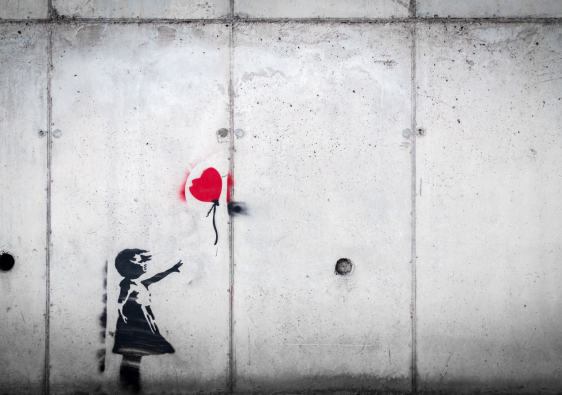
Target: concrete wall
(23, 204)
(424, 149)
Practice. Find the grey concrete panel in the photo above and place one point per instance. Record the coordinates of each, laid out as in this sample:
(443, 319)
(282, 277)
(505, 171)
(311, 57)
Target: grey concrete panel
(23, 206)
(325, 174)
(168, 9)
(489, 214)
(138, 107)
(489, 9)
(322, 9)
(23, 9)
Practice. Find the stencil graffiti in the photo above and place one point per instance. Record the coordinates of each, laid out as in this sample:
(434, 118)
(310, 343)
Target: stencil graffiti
(208, 188)
(137, 334)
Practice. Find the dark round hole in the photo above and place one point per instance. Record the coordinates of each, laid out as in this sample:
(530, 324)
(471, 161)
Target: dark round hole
(6, 262)
(223, 133)
(344, 267)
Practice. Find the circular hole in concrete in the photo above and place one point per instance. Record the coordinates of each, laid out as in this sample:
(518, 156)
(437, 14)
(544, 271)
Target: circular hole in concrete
(344, 267)
(223, 133)
(6, 261)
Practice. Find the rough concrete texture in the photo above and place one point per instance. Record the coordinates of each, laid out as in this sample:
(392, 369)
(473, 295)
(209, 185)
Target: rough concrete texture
(23, 206)
(323, 108)
(489, 216)
(454, 235)
(138, 107)
(321, 9)
(169, 9)
(489, 9)
(23, 9)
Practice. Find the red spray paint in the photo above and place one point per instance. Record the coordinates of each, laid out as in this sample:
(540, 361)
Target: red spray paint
(181, 191)
(208, 188)
(229, 185)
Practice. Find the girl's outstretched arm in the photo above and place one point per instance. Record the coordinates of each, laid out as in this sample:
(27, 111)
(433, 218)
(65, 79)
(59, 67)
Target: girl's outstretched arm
(160, 276)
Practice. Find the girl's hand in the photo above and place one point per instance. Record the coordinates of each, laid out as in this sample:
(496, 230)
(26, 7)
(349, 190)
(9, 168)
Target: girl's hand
(176, 267)
(122, 316)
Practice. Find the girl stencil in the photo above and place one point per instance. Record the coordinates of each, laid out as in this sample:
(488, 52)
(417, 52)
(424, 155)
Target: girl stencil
(137, 334)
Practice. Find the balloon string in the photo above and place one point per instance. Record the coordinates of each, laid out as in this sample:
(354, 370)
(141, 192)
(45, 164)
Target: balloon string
(214, 210)
(214, 226)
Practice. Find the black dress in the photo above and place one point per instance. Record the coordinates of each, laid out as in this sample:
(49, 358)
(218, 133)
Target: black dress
(138, 336)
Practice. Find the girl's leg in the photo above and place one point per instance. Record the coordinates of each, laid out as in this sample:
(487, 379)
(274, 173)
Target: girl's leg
(130, 373)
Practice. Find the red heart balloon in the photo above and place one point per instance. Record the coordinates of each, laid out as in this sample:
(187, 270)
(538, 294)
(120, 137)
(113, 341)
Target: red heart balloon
(208, 187)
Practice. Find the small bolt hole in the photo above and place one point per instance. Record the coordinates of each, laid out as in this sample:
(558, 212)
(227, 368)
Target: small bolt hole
(223, 133)
(344, 267)
(6, 262)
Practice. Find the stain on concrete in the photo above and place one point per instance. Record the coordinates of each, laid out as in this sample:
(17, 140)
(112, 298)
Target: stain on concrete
(199, 33)
(90, 35)
(262, 73)
(166, 35)
(388, 63)
(340, 384)
(403, 3)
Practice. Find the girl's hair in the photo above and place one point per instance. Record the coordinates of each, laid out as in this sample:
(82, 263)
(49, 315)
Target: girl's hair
(125, 266)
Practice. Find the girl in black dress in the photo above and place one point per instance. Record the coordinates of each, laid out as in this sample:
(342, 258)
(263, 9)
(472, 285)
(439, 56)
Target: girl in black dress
(137, 334)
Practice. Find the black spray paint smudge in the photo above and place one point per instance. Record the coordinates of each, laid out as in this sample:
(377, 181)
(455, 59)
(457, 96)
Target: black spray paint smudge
(237, 208)
(103, 323)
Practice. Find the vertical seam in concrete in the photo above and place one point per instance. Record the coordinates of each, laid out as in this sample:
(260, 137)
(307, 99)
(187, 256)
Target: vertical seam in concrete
(48, 238)
(231, 357)
(413, 197)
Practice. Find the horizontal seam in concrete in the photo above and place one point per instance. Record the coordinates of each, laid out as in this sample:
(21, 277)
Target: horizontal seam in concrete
(79, 21)
(396, 20)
